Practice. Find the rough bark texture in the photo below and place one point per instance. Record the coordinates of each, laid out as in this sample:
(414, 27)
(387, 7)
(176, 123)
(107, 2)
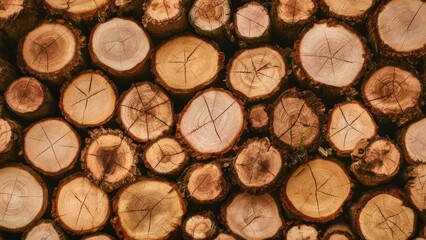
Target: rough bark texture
(8, 73)
(18, 17)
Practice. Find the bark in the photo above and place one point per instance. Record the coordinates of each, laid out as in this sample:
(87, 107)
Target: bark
(89, 99)
(412, 142)
(199, 226)
(44, 229)
(23, 206)
(352, 12)
(301, 231)
(18, 18)
(98, 236)
(80, 10)
(5, 49)
(258, 118)
(317, 190)
(79, 205)
(200, 66)
(160, 200)
(51, 146)
(109, 159)
(340, 231)
(8, 73)
(10, 140)
(30, 99)
(414, 186)
(124, 7)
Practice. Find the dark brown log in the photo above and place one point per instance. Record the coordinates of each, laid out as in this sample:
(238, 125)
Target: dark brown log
(253, 216)
(317, 190)
(348, 123)
(412, 142)
(339, 231)
(51, 146)
(211, 123)
(258, 118)
(375, 162)
(301, 231)
(165, 156)
(98, 236)
(205, 183)
(416, 180)
(199, 226)
(352, 12)
(257, 73)
(24, 197)
(148, 209)
(187, 63)
(29, 99)
(120, 47)
(79, 205)
(17, 17)
(8, 73)
(163, 19)
(123, 7)
(145, 112)
(10, 140)
(44, 229)
(397, 28)
(79, 10)
(383, 215)
(52, 51)
(109, 159)
(5, 49)
(89, 99)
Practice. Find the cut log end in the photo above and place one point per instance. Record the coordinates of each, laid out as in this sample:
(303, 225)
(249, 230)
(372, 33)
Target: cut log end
(161, 200)
(253, 216)
(252, 23)
(302, 232)
(145, 112)
(224, 236)
(413, 142)
(317, 190)
(44, 229)
(10, 140)
(258, 118)
(9, 9)
(208, 17)
(339, 231)
(199, 226)
(51, 146)
(293, 12)
(98, 236)
(351, 11)
(78, 10)
(414, 186)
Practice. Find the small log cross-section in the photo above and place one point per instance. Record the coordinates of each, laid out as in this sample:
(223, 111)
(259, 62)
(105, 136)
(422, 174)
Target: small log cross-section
(413, 142)
(224, 236)
(257, 73)
(23, 197)
(109, 159)
(44, 229)
(210, 17)
(253, 217)
(199, 226)
(301, 232)
(78, 10)
(80, 206)
(120, 47)
(89, 99)
(10, 140)
(397, 28)
(51, 146)
(187, 63)
(376, 163)
(393, 94)
(350, 11)
(339, 231)
(298, 119)
(258, 165)
(383, 215)
(212, 122)
(98, 236)
(252, 24)
(205, 183)
(165, 156)
(51, 51)
(317, 190)
(330, 54)
(148, 209)
(145, 112)
(258, 118)
(416, 176)
(349, 123)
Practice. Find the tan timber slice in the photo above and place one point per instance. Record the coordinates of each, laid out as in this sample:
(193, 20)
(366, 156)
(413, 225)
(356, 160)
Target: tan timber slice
(99, 236)
(302, 232)
(145, 112)
(252, 20)
(199, 226)
(257, 73)
(6, 135)
(415, 186)
(212, 122)
(294, 11)
(25, 95)
(187, 63)
(348, 8)
(317, 190)
(78, 9)
(162, 11)
(258, 117)
(209, 15)
(148, 209)
(10, 8)
(413, 142)
(44, 230)
(89, 99)
(23, 197)
(224, 236)
(51, 146)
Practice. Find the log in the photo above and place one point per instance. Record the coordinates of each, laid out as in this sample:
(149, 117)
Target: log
(163, 19)
(376, 162)
(258, 165)
(301, 231)
(51, 146)
(124, 7)
(98, 236)
(79, 205)
(165, 156)
(89, 99)
(109, 159)
(29, 99)
(199, 226)
(187, 63)
(317, 190)
(8, 73)
(412, 142)
(10, 140)
(330, 56)
(383, 215)
(205, 183)
(258, 118)
(393, 93)
(352, 12)
(415, 176)
(224, 236)
(79, 10)
(348, 123)
(145, 112)
(24, 197)
(211, 123)
(52, 51)
(253, 216)
(396, 29)
(290, 16)
(5, 49)
(257, 73)
(298, 120)
(44, 229)
(148, 209)
(339, 231)
(120, 47)
(17, 17)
